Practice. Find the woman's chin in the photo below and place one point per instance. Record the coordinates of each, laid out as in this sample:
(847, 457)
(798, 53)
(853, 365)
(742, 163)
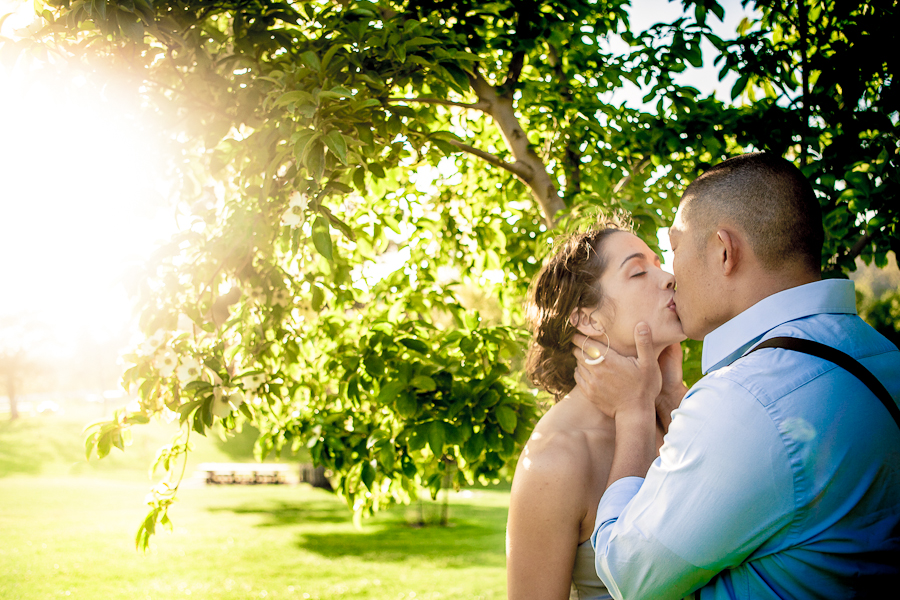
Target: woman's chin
(665, 341)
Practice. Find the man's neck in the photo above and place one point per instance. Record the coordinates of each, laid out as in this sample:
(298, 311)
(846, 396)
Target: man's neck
(758, 286)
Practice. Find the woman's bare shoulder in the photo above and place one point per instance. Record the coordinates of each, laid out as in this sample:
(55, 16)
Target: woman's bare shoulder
(554, 451)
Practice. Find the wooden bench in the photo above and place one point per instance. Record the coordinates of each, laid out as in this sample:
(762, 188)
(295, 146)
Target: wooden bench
(246, 473)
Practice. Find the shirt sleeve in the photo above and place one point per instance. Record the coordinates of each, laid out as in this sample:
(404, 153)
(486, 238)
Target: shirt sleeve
(720, 488)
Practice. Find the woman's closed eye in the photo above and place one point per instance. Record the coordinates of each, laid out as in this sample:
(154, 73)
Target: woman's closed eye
(639, 274)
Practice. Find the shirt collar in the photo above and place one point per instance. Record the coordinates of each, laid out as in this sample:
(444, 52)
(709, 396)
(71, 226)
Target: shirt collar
(729, 341)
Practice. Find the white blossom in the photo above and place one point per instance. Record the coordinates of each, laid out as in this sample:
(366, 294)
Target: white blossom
(224, 403)
(188, 370)
(165, 362)
(297, 204)
(252, 382)
(152, 343)
(280, 297)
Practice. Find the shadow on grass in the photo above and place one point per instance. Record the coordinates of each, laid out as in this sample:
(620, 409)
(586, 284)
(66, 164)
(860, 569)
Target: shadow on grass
(465, 542)
(475, 535)
(279, 514)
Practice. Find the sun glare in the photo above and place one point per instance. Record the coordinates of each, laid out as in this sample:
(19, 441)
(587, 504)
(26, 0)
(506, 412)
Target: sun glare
(80, 202)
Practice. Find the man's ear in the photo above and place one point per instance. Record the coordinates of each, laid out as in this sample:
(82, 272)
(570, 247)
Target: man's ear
(728, 251)
(586, 322)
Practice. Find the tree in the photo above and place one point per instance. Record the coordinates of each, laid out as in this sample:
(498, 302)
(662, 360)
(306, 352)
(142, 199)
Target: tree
(827, 76)
(347, 166)
(21, 340)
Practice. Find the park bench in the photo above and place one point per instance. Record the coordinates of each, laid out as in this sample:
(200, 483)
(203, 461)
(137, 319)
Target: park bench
(246, 473)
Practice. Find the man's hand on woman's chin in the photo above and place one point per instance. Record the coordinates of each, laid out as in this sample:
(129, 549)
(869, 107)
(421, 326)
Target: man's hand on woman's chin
(673, 388)
(623, 383)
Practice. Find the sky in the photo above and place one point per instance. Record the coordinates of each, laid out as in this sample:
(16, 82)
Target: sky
(81, 202)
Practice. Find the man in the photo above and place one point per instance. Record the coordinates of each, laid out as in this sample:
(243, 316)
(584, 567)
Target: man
(779, 476)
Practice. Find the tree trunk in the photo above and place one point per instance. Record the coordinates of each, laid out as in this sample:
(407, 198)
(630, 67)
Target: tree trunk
(533, 172)
(11, 394)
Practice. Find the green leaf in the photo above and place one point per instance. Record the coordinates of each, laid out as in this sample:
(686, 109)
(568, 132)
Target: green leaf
(474, 447)
(421, 41)
(368, 103)
(318, 298)
(408, 467)
(400, 52)
(423, 382)
(506, 417)
(415, 345)
(407, 405)
(490, 398)
(89, 443)
(98, 8)
(326, 60)
(694, 56)
(337, 144)
(391, 222)
(321, 236)
(293, 96)
(302, 143)
(436, 437)
(196, 386)
(368, 475)
(104, 444)
(739, 86)
(315, 160)
(391, 392)
(310, 59)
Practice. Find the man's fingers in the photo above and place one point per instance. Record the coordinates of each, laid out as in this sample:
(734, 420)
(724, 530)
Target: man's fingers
(643, 340)
(578, 340)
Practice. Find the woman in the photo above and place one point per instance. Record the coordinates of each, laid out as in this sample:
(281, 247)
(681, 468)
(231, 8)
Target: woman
(600, 284)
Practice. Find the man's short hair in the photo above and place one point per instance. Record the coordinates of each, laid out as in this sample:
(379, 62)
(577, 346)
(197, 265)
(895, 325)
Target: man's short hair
(766, 197)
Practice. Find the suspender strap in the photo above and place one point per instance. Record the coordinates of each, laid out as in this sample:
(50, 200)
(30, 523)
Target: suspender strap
(845, 361)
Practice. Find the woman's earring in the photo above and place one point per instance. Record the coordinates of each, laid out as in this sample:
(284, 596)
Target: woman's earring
(595, 357)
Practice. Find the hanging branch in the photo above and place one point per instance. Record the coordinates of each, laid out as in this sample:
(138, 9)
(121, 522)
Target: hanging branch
(520, 170)
(538, 180)
(482, 106)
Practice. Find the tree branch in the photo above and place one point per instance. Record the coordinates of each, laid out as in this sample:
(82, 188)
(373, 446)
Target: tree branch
(520, 170)
(642, 164)
(860, 244)
(515, 70)
(500, 108)
(482, 106)
(573, 154)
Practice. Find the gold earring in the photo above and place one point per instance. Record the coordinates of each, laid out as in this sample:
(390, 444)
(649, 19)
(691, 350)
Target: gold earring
(595, 357)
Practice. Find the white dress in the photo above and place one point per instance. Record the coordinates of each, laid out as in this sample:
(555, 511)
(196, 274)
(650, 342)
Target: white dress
(585, 583)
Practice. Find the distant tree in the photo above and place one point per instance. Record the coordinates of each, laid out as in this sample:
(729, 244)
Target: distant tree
(348, 166)
(10, 371)
(21, 339)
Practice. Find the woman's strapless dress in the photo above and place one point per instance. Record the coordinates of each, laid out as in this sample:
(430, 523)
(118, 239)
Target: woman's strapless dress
(585, 583)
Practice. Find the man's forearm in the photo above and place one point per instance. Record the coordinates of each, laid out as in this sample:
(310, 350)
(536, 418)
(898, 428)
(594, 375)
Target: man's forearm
(636, 444)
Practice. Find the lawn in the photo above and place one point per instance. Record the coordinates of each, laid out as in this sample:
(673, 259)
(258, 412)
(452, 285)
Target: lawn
(68, 531)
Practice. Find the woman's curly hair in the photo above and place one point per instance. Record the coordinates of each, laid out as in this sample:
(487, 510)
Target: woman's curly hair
(568, 281)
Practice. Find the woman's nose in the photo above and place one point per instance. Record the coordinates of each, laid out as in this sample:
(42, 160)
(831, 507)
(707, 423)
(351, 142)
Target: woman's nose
(668, 281)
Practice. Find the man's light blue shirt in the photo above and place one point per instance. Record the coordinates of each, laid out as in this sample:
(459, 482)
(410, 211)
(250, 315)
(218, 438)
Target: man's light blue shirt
(780, 473)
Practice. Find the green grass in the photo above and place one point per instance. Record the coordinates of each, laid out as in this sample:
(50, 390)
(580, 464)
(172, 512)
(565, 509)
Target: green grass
(67, 531)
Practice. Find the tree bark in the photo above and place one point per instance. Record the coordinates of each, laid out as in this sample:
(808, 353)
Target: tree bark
(11, 394)
(501, 110)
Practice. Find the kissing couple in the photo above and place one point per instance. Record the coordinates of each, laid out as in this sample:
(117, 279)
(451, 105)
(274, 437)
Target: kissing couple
(777, 475)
